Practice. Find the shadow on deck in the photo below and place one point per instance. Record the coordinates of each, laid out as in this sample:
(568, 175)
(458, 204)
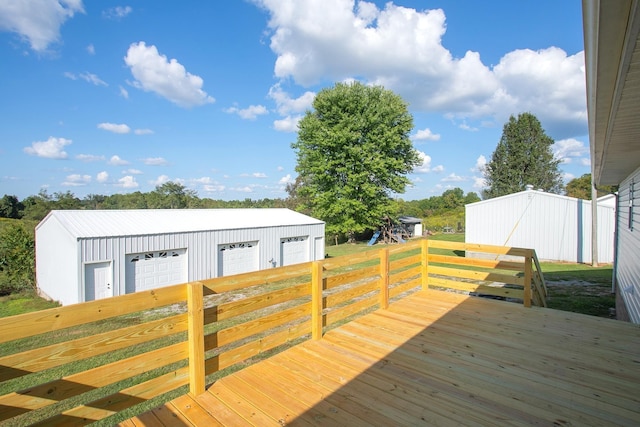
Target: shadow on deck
(435, 358)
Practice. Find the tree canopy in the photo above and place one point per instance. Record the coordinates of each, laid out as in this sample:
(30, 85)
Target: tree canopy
(581, 188)
(353, 153)
(523, 156)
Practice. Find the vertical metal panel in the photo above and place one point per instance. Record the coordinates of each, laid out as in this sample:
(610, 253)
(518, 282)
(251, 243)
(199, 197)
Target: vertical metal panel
(557, 227)
(628, 262)
(57, 262)
(201, 247)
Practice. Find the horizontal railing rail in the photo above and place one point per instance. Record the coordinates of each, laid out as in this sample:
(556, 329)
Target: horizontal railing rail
(77, 364)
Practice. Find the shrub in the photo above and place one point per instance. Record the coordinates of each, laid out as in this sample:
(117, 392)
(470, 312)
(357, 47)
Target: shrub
(17, 260)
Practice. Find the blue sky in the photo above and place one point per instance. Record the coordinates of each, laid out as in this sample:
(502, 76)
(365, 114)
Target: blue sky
(104, 97)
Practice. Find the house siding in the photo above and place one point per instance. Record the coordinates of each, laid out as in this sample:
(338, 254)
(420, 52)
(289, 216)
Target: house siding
(627, 270)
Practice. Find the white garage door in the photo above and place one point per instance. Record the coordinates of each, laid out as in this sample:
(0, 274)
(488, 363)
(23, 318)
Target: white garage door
(294, 250)
(236, 258)
(151, 270)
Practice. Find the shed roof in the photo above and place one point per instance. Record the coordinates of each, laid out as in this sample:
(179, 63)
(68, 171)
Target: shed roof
(409, 220)
(535, 193)
(137, 222)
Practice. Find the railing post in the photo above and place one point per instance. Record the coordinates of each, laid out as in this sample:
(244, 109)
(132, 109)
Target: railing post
(316, 300)
(528, 275)
(424, 264)
(195, 313)
(384, 278)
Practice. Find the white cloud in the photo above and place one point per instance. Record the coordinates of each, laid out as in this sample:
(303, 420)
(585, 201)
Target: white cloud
(92, 78)
(249, 113)
(88, 77)
(259, 175)
(102, 177)
(203, 180)
(425, 163)
(479, 182)
(286, 179)
(585, 161)
(162, 179)
(401, 48)
(567, 176)
(208, 185)
(245, 189)
(481, 163)
(465, 126)
(425, 135)
(115, 128)
(279, 168)
(288, 124)
(213, 188)
(89, 158)
(568, 149)
(124, 93)
(143, 131)
(453, 178)
(52, 148)
(132, 172)
(169, 79)
(127, 182)
(37, 21)
(76, 180)
(117, 12)
(155, 161)
(287, 105)
(117, 161)
(91, 49)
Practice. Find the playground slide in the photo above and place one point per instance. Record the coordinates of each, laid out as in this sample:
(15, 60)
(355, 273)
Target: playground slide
(374, 238)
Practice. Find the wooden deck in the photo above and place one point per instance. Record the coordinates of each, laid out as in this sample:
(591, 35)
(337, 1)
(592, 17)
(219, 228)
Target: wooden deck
(435, 358)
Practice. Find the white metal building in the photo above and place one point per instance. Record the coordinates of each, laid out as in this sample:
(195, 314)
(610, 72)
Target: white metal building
(83, 255)
(557, 227)
(612, 64)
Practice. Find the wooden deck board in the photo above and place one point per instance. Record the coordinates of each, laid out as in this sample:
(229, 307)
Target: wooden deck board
(436, 358)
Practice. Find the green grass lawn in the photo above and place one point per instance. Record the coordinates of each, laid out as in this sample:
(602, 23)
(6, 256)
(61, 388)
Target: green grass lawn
(23, 303)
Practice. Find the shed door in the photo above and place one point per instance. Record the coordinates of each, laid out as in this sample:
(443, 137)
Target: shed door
(319, 248)
(98, 281)
(152, 270)
(236, 258)
(294, 250)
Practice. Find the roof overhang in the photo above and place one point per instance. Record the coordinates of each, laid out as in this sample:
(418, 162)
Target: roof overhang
(612, 59)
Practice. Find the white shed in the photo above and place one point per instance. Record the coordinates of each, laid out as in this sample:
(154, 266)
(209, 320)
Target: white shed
(83, 255)
(557, 227)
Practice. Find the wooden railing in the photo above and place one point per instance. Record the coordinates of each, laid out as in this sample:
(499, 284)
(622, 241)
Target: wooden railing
(116, 357)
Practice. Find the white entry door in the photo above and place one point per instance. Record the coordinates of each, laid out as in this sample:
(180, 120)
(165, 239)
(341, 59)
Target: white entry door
(98, 283)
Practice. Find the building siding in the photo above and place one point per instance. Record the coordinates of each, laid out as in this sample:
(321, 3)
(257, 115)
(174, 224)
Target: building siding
(58, 247)
(627, 269)
(557, 227)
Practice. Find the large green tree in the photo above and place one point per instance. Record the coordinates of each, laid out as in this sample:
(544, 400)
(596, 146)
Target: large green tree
(523, 156)
(353, 153)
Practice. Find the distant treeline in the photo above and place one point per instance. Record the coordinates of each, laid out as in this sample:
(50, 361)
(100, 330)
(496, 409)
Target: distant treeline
(176, 196)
